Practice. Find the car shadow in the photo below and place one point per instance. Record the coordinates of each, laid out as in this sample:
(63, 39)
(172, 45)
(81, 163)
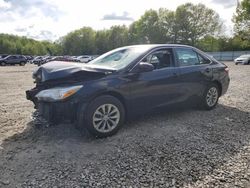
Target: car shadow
(182, 144)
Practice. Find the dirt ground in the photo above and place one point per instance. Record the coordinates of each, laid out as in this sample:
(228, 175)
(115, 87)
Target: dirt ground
(174, 148)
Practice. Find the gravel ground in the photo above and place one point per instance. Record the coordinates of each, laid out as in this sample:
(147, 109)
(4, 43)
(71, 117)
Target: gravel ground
(181, 147)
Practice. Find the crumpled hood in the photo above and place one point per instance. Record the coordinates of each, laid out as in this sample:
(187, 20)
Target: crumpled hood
(60, 69)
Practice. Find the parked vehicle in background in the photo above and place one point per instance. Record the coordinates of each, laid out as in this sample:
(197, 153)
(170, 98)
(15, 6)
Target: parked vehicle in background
(62, 58)
(70, 59)
(51, 58)
(243, 59)
(85, 58)
(3, 55)
(37, 60)
(124, 82)
(45, 59)
(29, 58)
(13, 60)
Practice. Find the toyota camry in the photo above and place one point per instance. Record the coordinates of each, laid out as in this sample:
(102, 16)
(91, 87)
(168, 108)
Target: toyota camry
(124, 82)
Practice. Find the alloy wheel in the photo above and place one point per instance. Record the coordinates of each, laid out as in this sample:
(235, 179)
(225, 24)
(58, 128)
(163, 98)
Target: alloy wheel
(106, 118)
(212, 96)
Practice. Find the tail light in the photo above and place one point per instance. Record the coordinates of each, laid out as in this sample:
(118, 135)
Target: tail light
(227, 70)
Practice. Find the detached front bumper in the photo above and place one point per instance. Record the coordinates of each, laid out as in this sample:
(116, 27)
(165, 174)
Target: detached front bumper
(30, 95)
(57, 112)
(54, 112)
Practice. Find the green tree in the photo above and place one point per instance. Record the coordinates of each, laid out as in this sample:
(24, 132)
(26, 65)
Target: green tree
(209, 43)
(102, 42)
(79, 42)
(194, 22)
(117, 36)
(7, 47)
(242, 19)
(146, 29)
(167, 26)
(11, 44)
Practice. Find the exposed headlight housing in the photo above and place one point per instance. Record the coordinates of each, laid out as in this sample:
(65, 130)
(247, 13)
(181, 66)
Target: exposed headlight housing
(37, 75)
(57, 94)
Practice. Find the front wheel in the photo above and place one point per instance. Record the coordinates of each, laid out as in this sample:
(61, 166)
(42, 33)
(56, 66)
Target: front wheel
(103, 117)
(210, 97)
(3, 63)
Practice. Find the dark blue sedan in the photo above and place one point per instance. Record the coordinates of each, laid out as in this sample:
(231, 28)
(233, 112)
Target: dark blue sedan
(124, 82)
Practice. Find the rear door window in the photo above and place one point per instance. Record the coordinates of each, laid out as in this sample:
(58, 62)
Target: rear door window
(11, 57)
(188, 57)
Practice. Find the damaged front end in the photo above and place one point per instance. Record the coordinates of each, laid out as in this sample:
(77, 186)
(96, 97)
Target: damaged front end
(58, 88)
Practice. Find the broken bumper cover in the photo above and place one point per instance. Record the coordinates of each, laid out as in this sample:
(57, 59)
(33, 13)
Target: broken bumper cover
(30, 95)
(54, 112)
(58, 111)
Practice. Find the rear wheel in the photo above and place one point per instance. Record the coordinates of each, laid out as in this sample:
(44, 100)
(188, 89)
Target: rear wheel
(210, 97)
(103, 117)
(22, 64)
(3, 63)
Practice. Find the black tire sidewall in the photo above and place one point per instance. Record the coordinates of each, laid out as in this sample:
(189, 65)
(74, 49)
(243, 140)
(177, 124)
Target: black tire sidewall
(3, 63)
(86, 115)
(204, 100)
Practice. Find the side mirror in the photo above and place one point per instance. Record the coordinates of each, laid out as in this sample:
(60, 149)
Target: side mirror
(143, 67)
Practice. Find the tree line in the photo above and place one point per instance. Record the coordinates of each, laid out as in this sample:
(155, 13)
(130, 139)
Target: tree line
(11, 44)
(189, 24)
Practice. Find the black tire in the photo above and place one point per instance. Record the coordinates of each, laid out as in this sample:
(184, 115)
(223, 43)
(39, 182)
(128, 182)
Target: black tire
(248, 62)
(236, 63)
(213, 87)
(22, 64)
(86, 116)
(3, 63)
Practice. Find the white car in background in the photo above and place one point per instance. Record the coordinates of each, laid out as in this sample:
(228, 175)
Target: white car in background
(85, 58)
(243, 59)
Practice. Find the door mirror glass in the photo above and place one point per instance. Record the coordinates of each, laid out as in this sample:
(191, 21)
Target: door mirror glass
(143, 67)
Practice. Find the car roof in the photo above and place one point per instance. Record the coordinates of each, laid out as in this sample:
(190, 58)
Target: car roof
(16, 55)
(245, 55)
(152, 46)
(163, 45)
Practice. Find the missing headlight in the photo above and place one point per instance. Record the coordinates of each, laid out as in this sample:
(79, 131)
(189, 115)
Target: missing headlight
(37, 75)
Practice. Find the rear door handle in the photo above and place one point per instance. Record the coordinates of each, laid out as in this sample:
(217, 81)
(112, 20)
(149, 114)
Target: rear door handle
(208, 70)
(175, 74)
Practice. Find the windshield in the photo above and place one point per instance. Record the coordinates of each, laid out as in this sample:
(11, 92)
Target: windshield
(119, 58)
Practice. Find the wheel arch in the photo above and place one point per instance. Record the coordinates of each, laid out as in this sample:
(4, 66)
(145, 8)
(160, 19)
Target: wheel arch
(219, 86)
(116, 95)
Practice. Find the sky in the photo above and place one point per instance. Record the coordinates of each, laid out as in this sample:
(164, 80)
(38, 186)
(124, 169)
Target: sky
(51, 19)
